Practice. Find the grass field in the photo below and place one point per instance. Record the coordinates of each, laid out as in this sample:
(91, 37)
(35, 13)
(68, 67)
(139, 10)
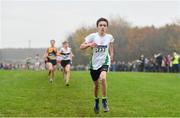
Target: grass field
(28, 93)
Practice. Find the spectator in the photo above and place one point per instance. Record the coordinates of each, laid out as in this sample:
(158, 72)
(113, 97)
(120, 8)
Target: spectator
(113, 66)
(175, 62)
(1, 65)
(37, 62)
(142, 63)
(167, 61)
(159, 59)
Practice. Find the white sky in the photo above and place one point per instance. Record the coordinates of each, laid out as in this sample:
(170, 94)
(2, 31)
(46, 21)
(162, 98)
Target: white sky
(39, 21)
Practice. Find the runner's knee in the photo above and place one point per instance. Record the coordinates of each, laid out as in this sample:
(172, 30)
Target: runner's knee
(103, 75)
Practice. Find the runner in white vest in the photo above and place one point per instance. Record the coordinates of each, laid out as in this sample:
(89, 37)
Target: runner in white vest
(102, 46)
(101, 51)
(66, 59)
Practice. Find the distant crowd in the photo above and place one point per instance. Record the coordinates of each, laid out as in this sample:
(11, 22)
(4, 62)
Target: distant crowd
(157, 63)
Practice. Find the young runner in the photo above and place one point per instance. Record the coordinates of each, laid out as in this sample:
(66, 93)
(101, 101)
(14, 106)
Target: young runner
(66, 60)
(102, 47)
(50, 59)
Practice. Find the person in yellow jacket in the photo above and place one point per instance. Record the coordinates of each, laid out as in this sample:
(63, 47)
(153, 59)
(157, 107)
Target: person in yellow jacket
(175, 62)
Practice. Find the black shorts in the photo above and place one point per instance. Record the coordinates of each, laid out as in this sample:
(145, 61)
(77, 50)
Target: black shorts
(65, 62)
(96, 73)
(53, 62)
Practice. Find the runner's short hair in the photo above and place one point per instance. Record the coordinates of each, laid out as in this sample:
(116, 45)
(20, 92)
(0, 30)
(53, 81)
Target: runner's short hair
(52, 40)
(101, 19)
(64, 42)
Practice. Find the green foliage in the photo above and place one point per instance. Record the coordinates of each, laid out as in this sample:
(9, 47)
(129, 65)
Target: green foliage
(29, 93)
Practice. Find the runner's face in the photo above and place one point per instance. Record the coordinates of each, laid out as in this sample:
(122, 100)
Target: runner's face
(102, 27)
(52, 42)
(65, 45)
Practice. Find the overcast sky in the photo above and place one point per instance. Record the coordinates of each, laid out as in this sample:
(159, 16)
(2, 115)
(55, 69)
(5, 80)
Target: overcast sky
(38, 21)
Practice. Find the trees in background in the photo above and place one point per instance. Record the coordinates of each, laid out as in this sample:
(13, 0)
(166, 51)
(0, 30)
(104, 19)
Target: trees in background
(131, 41)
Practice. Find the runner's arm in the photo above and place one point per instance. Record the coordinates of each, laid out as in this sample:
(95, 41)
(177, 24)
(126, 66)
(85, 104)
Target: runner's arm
(86, 45)
(45, 55)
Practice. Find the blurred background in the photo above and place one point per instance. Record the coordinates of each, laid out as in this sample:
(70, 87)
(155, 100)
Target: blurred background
(146, 33)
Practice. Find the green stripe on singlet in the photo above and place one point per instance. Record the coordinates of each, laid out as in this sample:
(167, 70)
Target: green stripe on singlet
(91, 67)
(90, 64)
(106, 61)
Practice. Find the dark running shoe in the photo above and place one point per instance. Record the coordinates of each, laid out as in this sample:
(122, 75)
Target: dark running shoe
(96, 106)
(105, 106)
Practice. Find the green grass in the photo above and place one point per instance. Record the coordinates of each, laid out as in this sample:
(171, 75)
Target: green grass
(28, 93)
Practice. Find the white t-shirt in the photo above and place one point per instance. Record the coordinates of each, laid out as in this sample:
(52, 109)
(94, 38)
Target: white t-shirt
(65, 54)
(101, 51)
